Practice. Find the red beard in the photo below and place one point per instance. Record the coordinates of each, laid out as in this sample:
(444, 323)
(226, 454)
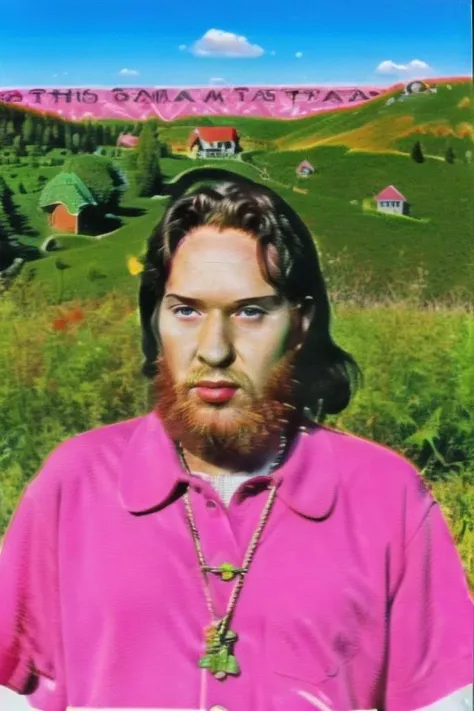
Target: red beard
(240, 430)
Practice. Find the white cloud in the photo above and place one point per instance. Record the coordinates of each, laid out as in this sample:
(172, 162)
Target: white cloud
(216, 80)
(298, 55)
(182, 47)
(217, 43)
(129, 72)
(411, 69)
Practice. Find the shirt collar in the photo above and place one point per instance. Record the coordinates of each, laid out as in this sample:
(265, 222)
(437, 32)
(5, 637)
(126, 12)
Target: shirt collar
(151, 472)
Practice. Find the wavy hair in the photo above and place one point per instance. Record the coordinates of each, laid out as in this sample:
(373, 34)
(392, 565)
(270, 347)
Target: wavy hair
(327, 376)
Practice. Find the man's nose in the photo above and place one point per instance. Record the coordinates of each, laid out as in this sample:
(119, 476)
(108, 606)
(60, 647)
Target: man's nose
(215, 346)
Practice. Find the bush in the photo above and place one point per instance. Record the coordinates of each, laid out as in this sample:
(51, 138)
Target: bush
(101, 176)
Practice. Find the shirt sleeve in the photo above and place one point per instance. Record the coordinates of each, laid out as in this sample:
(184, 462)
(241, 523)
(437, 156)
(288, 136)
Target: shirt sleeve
(27, 585)
(430, 617)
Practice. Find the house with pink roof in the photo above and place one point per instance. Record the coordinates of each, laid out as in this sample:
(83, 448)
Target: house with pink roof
(392, 201)
(304, 168)
(127, 140)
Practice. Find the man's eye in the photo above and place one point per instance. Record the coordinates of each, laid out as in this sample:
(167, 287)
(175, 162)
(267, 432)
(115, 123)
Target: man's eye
(252, 312)
(184, 311)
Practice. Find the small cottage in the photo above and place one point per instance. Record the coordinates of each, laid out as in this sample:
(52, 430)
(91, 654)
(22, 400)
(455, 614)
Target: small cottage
(127, 140)
(214, 141)
(305, 168)
(392, 201)
(68, 203)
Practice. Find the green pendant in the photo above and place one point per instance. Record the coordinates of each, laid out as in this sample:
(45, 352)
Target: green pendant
(219, 657)
(228, 572)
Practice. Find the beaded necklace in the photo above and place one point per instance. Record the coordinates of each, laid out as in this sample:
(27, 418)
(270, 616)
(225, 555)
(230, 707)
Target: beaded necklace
(219, 639)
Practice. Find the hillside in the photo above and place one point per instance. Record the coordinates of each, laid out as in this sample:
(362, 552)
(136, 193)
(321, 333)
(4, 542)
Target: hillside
(377, 125)
(356, 152)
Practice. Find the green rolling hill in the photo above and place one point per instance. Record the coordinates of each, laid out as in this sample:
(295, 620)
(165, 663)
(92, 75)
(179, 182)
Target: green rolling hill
(356, 153)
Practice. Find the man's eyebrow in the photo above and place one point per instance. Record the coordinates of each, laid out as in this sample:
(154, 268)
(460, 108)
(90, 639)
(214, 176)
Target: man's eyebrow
(269, 301)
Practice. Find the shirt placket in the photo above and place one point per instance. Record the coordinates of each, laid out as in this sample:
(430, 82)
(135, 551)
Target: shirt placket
(219, 545)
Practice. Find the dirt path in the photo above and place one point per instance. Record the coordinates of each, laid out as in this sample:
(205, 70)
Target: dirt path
(263, 173)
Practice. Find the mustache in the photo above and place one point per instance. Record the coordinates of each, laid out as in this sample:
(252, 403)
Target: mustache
(238, 379)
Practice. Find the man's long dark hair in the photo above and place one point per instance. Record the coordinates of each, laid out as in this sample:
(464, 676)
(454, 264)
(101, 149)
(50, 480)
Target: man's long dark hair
(327, 375)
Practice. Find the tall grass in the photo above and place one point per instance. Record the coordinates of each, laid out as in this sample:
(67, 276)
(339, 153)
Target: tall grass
(73, 367)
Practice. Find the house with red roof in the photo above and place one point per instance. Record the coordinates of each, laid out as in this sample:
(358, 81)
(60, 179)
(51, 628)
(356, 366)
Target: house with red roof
(305, 168)
(392, 201)
(214, 141)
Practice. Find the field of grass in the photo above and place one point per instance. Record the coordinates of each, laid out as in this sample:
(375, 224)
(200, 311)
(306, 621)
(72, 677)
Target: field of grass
(392, 249)
(378, 125)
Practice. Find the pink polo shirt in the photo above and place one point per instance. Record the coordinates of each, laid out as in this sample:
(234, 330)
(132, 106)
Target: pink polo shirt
(356, 598)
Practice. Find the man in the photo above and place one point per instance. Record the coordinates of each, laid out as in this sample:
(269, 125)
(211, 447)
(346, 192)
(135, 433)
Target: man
(224, 552)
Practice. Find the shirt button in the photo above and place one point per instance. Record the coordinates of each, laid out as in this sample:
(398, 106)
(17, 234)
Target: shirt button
(218, 708)
(211, 504)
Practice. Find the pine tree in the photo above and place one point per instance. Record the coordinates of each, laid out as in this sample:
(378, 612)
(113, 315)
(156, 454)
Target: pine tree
(99, 134)
(5, 225)
(7, 211)
(18, 145)
(6, 194)
(56, 136)
(68, 137)
(28, 131)
(417, 153)
(148, 169)
(10, 133)
(38, 132)
(450, 156)
(88, 143)
(76, 142)
(47, 138)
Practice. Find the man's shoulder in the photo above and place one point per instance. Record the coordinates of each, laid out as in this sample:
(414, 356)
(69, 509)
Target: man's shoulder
(375, 477)
(361, 450)
(81, 453)
(360, 459)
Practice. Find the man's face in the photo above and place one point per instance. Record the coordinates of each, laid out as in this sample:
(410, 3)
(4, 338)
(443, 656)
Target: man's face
(227, 342)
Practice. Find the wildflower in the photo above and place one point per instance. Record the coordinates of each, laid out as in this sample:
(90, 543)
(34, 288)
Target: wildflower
(60, 324)
(134, 265)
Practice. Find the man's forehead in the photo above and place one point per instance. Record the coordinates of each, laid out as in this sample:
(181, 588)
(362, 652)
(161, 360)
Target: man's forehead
(212, 245)
(214, 254)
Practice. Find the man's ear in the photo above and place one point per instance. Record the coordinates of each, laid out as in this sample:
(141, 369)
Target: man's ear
(304, 314)
(307, 310)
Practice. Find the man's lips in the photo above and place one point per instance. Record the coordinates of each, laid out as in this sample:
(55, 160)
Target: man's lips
(216, 391)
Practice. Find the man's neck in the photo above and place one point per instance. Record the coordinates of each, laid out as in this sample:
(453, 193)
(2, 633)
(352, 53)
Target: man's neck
(220, 465)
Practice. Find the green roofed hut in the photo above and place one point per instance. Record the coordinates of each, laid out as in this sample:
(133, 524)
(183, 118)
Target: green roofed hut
(68, 202)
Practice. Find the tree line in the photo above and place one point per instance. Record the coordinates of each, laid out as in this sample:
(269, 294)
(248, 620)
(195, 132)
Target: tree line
(20, 128)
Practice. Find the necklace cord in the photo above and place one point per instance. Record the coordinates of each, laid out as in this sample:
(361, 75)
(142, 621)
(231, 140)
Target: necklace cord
(252, 547)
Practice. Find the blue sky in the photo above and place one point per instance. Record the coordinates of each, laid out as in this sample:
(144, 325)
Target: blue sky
(300, 41)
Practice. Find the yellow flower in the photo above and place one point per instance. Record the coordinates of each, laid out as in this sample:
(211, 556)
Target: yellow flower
(134, 265)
